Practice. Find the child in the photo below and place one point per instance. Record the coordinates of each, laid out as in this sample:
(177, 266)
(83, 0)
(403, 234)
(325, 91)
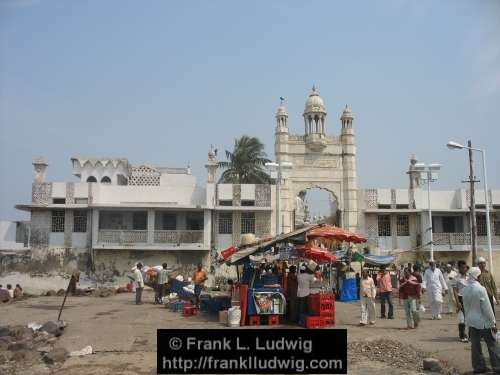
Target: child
(410, 291)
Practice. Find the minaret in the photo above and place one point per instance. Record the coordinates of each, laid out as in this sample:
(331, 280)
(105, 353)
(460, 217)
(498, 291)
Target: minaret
(314, 114)
(281, 118)
(415, 182)
(211, 175)
(40, 166)
(281, 131)
(347, 139)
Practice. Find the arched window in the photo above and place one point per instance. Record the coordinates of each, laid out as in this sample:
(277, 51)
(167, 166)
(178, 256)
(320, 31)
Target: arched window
(91, 179)
(106, 180)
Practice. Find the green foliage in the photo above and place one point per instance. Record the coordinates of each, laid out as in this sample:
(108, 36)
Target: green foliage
(246, 163)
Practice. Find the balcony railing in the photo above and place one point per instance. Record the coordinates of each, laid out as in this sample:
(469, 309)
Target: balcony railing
(454, 239)
(178, 236)
(122, 236)
(451, 238)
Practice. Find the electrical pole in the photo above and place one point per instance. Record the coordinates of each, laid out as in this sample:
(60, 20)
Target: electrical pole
(472, 181)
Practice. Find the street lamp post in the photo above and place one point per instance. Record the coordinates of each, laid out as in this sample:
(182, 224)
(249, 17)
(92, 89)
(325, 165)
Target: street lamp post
(429, 174)
(277, 170)
(457, 146)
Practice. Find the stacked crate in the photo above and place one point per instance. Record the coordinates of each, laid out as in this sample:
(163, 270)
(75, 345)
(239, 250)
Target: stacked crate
(321, 310)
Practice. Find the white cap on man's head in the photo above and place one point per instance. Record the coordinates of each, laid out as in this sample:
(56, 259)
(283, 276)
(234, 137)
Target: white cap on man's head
(481, 260)
(431, 261)
(474, 272)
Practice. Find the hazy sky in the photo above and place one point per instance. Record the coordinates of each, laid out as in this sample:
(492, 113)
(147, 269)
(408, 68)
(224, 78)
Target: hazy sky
(159, 81)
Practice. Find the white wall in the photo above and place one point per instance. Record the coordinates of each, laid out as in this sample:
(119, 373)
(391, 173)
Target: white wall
(79, 240)
(56, 239)
(59, 190)
(248, 192)
(384, 196)
(225, 191)
(385, 243)
(8, 236)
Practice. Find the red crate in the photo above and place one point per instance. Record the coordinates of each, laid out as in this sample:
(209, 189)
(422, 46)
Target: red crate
(321, 301)
(189, 310)
(273, 320)
(254, 320)
(330, 321)
(326, 313)
(315, 322)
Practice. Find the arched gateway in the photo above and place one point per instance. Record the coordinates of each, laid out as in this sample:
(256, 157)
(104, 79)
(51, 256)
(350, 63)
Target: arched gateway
(319, 161)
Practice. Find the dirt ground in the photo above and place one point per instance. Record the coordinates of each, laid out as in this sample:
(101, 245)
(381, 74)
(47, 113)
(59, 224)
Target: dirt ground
(123, 335)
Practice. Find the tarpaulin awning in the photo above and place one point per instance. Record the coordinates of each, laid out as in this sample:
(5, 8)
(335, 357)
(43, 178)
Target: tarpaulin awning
(316, 254)
(296, 235)
(332, 232)
(377, 260)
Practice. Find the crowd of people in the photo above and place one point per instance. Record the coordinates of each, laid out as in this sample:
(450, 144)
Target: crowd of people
(8, 294)
(470, 292)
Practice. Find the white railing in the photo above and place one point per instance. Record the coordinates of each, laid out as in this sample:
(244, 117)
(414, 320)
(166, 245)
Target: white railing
(483, 240)
(451, 239)
(178, 236)
(122, 236)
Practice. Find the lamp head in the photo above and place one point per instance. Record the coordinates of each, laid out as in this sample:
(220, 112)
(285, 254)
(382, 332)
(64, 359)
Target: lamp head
(454, 145)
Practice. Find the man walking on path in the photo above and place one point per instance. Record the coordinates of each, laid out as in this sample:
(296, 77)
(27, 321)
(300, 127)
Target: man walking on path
(162, 281)
(385, 288)
(367, 291)
(459, 283)
(486, 279)
(449, 276)
(409, 292)
(481, 321)
(139, 284)
(433, 280)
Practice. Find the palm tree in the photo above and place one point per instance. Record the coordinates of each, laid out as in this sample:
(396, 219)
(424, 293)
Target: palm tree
(245, 164)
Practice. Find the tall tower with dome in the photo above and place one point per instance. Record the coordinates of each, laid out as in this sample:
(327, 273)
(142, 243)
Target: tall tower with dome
(319, 160)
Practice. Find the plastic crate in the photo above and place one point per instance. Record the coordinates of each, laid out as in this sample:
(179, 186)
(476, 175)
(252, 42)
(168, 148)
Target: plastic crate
(273, 320)
(189, 310)
(321, 302)
(254, 320)
(330, 321)
(326, 313)
(315, 322)
(177, 306)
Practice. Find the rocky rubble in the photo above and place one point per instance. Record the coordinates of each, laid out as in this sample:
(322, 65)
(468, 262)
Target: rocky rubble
(24, 351)
(395, 354)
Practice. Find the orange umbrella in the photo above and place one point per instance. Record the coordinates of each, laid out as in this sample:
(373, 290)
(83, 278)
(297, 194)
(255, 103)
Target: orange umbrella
(329, 231)
(316, 254)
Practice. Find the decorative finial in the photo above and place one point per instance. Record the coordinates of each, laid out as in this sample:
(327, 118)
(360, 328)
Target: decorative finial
(314, 88)
(282, 99)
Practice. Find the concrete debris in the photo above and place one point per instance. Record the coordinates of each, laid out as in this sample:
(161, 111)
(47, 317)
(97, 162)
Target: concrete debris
(85, 351)
(432, 364)
(56, 355)
(51, 293)
(53, 327)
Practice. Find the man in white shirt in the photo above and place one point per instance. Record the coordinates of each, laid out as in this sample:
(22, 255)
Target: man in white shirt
(304, 280)
(481, 321)
(449, 275)
(433, 281)
(139, 284)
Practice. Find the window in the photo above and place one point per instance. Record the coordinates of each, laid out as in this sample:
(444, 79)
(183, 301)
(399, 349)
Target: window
(80, 222)
(247, 222)
(58, 221)
(384, 206)
(140, 221)
(225, 202)
(59, 200)
(481, 225)
(449, 224)
(194, 221)
(106, 180)
(91, 179)
(403, 226)
(496, 227)
(402, 206)
(225, 223)
(384, 226)
(169, 221)
(81, 201)
(248, 203)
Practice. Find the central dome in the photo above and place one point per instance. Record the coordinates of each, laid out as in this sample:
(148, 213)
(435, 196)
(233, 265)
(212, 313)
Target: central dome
(314, 102)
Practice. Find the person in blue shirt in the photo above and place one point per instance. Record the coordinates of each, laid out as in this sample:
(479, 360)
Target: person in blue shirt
(482, 324)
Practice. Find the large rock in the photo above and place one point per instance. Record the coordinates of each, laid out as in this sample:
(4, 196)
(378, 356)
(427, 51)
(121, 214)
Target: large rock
(53, 327)
(61, 292)
(25, 356)
(4, 331)
(56, 355)
(51, 293)
(21, 345)
(432, 364)
(21, 332)
(5, 356)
